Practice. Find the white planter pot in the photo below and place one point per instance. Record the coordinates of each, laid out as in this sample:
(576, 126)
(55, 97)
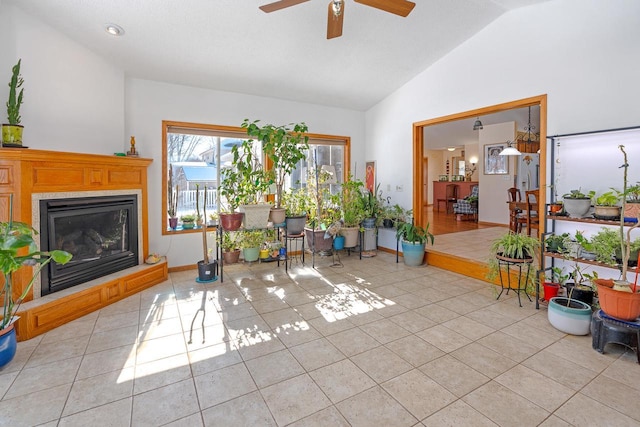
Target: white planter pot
(574, 321)
(577, 208)
(255, 216)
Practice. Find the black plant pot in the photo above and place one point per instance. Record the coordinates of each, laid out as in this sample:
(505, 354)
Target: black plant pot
(207, 272)
(387, 223)
(584, 295)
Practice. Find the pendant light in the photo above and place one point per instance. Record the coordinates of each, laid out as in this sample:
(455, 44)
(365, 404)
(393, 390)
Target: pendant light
(478, 124)
(510, 150)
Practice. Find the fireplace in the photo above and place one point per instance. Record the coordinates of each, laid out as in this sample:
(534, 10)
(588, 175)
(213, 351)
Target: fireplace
(101, 233)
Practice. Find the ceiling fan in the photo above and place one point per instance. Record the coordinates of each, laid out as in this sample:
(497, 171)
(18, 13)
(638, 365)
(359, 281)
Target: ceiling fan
(336, 10)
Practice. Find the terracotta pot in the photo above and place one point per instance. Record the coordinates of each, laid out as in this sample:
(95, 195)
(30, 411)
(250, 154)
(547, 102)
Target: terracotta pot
(231, 257)
(277, 215)
(231, 221)
(618, 304)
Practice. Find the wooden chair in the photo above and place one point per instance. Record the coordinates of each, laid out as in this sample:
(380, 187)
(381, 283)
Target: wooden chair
(516, 217)
(533, 219)
(450, 198)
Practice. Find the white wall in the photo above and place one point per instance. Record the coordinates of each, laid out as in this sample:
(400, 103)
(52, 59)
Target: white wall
(584, 54)
(492, 199)
(148, 103)
(73, 98)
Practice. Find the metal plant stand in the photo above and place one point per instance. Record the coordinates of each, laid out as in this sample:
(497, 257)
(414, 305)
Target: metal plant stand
(517, 265)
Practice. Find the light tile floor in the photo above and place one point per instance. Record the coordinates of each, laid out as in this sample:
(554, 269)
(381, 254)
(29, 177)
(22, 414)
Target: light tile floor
(370, 343)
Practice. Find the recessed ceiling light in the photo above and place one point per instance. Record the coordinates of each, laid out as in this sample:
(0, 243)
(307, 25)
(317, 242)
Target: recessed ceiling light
(451, 149)
(114, 30)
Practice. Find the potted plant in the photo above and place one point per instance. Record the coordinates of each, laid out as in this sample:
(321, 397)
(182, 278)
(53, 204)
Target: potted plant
(296, 203)
(632, 203)
(18, 249)
(12, 131)
(556, 281)
(556, 208)
(250, 243)
(604, 244)
(371, 205)
(285, 146)
(579, 288)
(207, 268)
(557, 243)
(230, 220)
(172, 201)
(606, 205)
(230, 247)
(576, 203)
(414, 239)
(188, 221)
(323, 212)
(252, 184)
(353, 212)
(513, 248)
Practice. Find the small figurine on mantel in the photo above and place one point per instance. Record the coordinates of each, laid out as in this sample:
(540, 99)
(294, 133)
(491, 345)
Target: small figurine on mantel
(133, 151)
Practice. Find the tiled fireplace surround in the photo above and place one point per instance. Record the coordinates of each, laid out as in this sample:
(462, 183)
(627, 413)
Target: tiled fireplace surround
(34, 175)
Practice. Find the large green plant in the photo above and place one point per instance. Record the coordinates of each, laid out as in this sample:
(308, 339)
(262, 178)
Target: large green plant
(252, 180)
(296, 202)
(410, 232)
(285, 146)
(17, 249)
(515, 245)
(353, 211)
(251, 238)
(15, 97)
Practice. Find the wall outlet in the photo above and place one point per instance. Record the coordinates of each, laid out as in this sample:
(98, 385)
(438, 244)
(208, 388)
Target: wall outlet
(398, 188)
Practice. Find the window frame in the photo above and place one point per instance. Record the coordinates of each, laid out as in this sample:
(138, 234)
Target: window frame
(314, 139)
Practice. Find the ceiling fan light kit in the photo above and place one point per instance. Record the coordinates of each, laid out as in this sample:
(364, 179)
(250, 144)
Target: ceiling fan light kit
(336, 10)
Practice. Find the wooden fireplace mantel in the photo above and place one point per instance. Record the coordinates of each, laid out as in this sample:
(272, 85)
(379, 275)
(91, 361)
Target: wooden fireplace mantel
(24, 172)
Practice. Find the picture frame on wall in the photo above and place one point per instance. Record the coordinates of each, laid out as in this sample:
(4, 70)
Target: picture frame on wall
(370, 176)
(494, 163)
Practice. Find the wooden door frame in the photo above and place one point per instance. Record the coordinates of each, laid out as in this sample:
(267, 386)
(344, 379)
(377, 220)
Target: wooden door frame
(418, 145)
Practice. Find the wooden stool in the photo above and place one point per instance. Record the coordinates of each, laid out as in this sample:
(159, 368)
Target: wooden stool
(606, 329)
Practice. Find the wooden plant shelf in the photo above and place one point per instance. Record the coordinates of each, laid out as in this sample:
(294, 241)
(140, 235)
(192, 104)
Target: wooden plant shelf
(588, 220)
(587, 261)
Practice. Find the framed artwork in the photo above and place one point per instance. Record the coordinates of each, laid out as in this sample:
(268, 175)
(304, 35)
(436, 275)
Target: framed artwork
(494, 163)
(370, 176)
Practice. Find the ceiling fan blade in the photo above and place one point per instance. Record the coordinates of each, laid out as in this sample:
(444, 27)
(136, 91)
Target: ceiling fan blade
(334, 23)
(397, 7)
(272, 7)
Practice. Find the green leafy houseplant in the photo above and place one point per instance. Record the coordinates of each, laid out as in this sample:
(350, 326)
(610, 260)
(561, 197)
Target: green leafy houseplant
(410, 232)
(17, 249)
(514, 246)
(285, 146)
(609, 198)
(353, 211)
(251, 238)
(296, 202)
(252, 180)
(557, 243)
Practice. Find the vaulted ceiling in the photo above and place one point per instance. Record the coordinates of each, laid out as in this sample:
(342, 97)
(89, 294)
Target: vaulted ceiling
(231, 45)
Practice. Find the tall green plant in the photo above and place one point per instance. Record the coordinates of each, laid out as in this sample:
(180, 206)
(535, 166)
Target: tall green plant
(15, 98)
(352, 202)
(18, 249)
(410, 232)
(285, 146)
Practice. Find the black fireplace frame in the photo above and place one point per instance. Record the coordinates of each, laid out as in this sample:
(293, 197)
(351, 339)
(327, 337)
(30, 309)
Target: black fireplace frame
(58, 277)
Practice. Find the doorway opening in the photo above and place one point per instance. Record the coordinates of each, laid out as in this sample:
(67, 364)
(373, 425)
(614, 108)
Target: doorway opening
(423, 210)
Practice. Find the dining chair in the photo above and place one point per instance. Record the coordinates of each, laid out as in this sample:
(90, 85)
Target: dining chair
(533, 219)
